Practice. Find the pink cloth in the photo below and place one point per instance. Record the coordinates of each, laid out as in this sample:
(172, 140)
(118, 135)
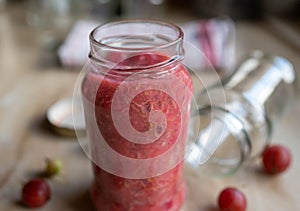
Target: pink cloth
(75, 49)
(215, 38)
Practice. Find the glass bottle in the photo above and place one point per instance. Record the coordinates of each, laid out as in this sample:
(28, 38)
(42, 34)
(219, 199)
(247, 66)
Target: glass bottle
(136, 98)
(237, 130)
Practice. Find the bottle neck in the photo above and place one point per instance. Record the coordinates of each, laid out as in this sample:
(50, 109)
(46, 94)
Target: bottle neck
(258, 79)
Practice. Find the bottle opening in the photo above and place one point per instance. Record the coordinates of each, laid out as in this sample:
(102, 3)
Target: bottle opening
(222, 144)
(136, 44)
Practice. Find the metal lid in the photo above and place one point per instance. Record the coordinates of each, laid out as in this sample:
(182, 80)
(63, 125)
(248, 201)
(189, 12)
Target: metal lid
(60, 117)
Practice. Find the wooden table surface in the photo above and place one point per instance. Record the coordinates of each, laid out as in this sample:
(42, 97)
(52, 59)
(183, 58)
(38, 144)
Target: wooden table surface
(29, 85)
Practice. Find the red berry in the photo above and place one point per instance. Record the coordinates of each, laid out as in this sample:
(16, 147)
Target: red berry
(35, 193)
(276, 159)
(231, 199)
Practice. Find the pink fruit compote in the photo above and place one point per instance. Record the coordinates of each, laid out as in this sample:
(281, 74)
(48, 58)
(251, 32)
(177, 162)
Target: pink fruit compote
(164, 192)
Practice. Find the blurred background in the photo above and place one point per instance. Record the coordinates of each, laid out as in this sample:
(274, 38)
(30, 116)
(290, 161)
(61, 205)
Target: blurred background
(51, 21)
(44, 44)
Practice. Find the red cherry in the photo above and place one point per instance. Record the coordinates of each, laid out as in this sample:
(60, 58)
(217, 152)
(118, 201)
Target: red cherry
(35, 193)
(276, 159)
(231, 199)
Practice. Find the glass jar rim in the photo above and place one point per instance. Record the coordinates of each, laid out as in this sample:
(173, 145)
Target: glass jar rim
(232, 127)
(176, 28)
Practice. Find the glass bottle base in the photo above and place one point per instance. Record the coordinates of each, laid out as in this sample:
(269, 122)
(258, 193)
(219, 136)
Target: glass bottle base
(101, 204)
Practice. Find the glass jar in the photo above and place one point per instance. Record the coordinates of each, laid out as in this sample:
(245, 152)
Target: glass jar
(234, 132)
(136, 97)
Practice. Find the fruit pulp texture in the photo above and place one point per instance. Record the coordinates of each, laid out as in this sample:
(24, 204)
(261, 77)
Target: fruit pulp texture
(165, 192)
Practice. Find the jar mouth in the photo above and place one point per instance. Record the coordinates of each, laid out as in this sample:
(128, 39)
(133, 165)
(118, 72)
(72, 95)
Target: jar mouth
(175, 28)
(114, 44)
(222, 144)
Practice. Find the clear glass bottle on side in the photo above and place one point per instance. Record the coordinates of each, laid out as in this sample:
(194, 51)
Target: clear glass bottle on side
(233, 132)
